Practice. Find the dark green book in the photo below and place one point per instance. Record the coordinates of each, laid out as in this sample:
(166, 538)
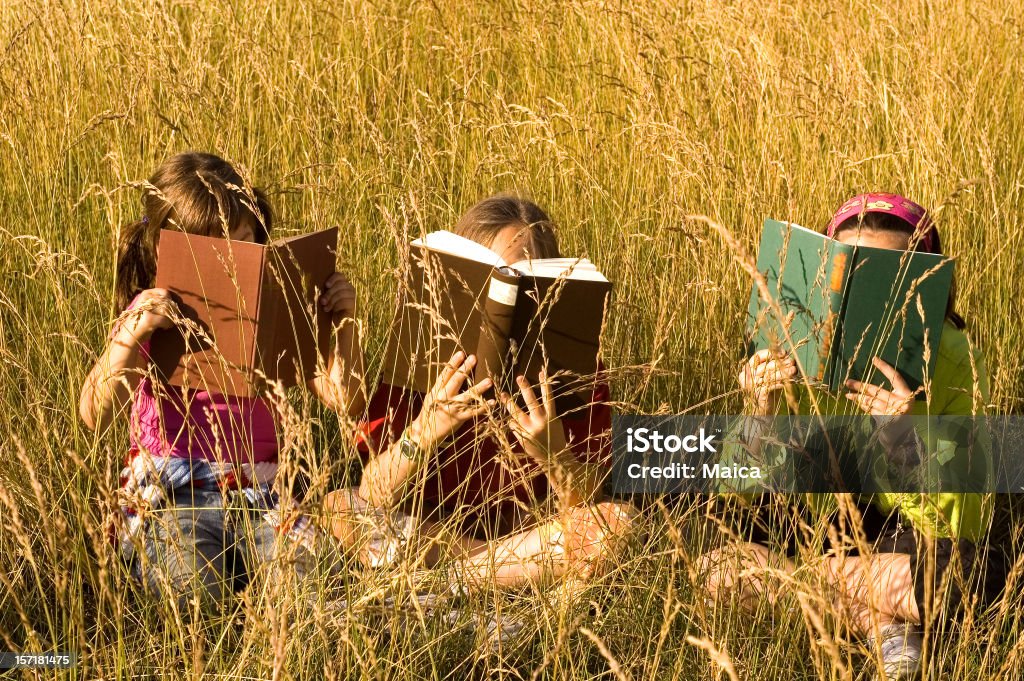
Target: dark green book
(840, 305)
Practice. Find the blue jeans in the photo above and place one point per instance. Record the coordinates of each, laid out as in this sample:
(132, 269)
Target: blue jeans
(210, 545)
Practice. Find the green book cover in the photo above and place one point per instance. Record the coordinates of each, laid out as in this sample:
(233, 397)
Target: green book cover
(834, 306)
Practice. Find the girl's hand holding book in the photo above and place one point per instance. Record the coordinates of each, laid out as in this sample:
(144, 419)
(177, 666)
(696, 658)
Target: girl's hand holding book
(764, 376)
(888, 407)
(540, 432)
(876, 400)
(446, 406)
(537, 428)
(114, 377)
(339, 296)
(153, 309)
(342, 389)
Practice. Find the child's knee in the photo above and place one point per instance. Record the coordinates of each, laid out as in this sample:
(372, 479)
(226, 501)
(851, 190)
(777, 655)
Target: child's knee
(339, 514)
(716, 570)
(288, 551)
(344, 500)
(604, 522)
(175, 571)
(595, 533)
(621, 518)
(743, 567)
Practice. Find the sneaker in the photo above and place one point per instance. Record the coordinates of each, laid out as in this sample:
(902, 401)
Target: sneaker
(900, 649)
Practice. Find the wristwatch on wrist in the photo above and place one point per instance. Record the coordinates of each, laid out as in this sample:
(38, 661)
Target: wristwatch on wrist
(409, 449)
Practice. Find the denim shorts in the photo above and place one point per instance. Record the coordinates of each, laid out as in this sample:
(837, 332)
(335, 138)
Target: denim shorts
(203, 543)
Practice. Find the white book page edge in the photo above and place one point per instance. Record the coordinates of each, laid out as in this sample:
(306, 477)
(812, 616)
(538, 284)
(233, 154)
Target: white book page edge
(552, 268)
(448, 242)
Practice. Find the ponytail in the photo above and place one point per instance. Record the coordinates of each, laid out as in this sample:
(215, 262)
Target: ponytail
(136, 262)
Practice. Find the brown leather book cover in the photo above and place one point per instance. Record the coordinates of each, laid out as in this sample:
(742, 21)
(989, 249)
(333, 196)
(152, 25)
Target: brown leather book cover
(515, 322)
(441, 301)
(557, 324)
(249, 312)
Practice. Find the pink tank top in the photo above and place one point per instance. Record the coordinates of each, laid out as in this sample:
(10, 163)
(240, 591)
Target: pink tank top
(196, 424)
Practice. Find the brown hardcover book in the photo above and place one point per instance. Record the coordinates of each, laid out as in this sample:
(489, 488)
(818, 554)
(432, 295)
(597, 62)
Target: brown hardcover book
(516, 318)
(250, 312)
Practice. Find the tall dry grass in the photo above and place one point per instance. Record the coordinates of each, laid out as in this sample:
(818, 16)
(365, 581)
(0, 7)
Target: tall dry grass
(389, 119)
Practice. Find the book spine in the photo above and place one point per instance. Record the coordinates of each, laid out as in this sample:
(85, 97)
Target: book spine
(495, 325)
(262, 346)
(841, 259)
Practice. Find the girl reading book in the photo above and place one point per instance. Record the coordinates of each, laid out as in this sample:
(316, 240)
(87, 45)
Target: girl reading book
(456, 464)
(198, 494)
(916, 539)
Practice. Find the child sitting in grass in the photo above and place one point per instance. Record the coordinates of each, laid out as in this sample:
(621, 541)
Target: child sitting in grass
(884, 591)
(199, 480)
(432, 463)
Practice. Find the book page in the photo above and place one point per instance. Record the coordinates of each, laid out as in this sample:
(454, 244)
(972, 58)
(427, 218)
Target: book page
(552, 268)
(453, 244)
(793, 225)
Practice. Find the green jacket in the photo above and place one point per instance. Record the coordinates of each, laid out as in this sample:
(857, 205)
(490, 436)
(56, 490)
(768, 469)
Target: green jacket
(959, 387)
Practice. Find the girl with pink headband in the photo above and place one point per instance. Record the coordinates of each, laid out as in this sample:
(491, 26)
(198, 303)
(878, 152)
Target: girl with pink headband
(916, 538)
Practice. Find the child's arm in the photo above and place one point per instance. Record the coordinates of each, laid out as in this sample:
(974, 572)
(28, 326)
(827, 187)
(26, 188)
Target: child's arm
(116, 374)
(342, 388)
(959, 381)
(540, 432)
(446, 408)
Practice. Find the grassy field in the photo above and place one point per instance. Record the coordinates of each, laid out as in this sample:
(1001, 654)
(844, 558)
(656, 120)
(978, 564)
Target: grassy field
(624, 120)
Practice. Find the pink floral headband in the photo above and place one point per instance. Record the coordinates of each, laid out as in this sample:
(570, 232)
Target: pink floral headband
(903, 208)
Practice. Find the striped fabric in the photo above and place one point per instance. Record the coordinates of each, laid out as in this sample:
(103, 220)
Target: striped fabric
(148, 481)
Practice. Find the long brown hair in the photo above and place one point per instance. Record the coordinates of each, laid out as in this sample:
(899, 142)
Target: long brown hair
(887, 222)
(193, 192)
(484, 221)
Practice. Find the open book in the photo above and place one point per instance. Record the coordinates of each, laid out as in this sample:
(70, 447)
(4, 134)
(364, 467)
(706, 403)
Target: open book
(516, 318)
(841, 305)
(251, 312)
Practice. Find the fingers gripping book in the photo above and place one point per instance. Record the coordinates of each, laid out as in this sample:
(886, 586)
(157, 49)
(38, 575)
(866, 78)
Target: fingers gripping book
(515, 317)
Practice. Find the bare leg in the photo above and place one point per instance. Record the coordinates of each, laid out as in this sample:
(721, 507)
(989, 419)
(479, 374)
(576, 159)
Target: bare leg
(579, 543)
(580, 540)
(873, 589)
(742, 568)
(877, 594)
